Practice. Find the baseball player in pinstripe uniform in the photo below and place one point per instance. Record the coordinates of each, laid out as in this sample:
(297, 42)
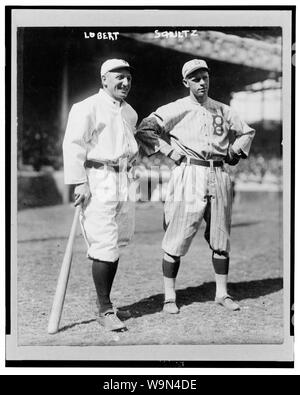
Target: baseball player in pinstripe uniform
(194, 132)
(98, 147)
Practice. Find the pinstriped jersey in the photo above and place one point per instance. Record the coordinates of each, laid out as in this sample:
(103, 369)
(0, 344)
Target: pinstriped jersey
(201, 130)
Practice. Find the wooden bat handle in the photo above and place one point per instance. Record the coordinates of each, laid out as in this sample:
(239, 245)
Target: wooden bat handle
(63, 278)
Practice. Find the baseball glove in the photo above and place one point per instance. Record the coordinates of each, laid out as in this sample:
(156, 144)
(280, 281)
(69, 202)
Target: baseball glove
(232, 158)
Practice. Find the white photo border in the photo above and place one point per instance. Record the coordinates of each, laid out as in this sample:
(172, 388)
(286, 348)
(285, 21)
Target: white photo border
(139, 16)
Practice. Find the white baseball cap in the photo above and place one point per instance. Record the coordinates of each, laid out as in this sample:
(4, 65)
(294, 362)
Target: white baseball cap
(193, 65)
(112, 64)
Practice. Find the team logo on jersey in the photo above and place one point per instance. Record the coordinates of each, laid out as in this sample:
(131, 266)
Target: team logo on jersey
(218, 123)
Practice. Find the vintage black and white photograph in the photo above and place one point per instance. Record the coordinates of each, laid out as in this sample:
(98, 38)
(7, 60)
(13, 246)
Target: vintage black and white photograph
(151, 185)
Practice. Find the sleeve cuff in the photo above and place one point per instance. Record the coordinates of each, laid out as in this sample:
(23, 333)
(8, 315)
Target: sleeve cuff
(74, 181)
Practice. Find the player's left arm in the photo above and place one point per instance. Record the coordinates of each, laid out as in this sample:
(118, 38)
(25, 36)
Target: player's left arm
(244, 135)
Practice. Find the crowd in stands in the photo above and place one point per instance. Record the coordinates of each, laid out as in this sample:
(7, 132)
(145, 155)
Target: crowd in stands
(256, 168)
(154, 173)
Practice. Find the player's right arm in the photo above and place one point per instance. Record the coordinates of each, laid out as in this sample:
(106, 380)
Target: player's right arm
(153, 134)
(82, 193)
(147, 135)
(78, 130)
(74, 144)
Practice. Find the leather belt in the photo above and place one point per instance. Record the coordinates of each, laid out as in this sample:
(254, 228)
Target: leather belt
(201, 162)
(97, 165)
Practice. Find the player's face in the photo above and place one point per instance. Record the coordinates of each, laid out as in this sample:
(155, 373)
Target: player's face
(198, 83)
(117, 83)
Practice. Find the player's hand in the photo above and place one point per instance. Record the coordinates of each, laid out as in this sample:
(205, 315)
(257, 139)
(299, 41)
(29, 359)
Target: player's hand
(82, 194)
(176, 157)
(232, 158)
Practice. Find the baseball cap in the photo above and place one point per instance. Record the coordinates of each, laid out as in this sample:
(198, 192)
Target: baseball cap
(112, 64)
(193, 65)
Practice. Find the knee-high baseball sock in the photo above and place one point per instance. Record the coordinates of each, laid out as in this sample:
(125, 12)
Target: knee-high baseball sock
(170, 270)
(221, 267)
(103, 276)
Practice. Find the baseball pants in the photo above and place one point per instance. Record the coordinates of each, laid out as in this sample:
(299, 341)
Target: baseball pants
(108, 219)
(197, 192)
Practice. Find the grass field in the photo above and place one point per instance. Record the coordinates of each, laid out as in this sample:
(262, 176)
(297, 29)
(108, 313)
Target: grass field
(255, 281)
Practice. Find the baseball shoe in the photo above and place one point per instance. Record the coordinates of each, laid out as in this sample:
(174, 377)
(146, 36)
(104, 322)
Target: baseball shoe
(227, 302)
(110, 321)
(170, 307)
(123, 314)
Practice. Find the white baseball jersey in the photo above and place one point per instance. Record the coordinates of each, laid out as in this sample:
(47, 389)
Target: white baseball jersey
(99, 128)
(102, 129)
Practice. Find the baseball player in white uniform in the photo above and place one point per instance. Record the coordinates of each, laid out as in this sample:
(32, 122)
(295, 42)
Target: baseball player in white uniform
(98, 148)
(194, 131)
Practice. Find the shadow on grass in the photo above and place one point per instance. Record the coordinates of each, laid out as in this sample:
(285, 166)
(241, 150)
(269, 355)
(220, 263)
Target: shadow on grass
(64, 328)
(206, 293)
(243, 224)
(200, 294)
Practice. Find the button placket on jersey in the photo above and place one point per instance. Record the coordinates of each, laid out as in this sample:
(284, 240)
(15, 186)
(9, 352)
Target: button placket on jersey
(207, 132)
(210, 134)
(125, 131)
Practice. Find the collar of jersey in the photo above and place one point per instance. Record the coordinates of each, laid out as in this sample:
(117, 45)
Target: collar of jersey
(199, 104)
(107, 97)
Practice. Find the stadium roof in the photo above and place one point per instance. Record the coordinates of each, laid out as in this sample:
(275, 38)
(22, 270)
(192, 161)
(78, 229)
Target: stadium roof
(259, 49)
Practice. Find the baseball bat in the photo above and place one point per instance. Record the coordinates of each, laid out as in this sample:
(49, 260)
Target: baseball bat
(62, 282)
